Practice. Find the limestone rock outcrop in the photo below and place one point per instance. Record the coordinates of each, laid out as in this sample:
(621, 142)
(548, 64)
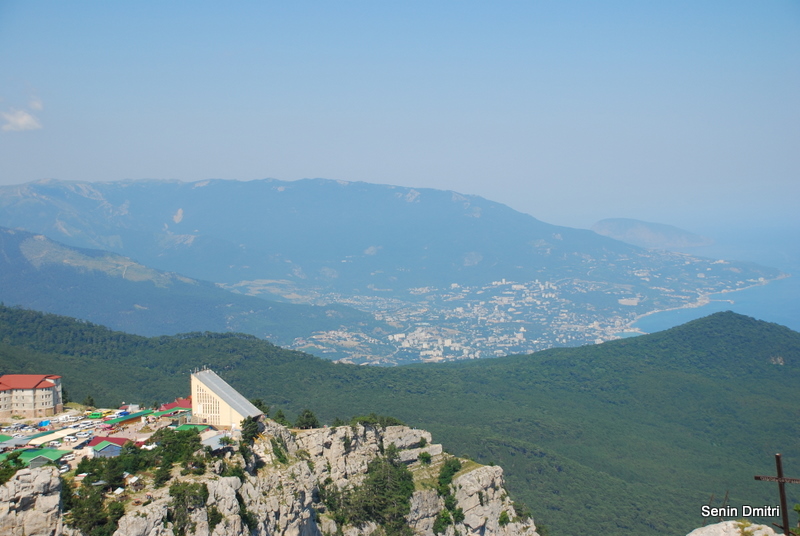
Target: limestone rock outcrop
(481, 495)
(733, 528)
(276, 490)
(148, 521)
(30, 503)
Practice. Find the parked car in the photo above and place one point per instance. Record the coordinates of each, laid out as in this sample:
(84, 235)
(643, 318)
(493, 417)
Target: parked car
(83, 434)
(63, 469)
(70, 439)
(67, 457)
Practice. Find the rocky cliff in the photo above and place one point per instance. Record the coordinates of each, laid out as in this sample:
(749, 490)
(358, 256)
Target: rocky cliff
(278, 492)
(733, 528)
(30, 503)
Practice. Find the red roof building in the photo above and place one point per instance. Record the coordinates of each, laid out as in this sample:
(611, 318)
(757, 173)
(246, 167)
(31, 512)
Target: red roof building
(180, 403)
(111, 439)
(30, 395)
(27, 381)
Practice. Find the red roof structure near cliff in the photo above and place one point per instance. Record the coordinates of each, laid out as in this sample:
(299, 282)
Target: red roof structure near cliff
(96, 440)
(180, 403)
(27, 381)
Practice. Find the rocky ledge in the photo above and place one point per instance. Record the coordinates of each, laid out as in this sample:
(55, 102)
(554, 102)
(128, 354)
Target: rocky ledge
(277, 492)
(30, 503)
(733, 528)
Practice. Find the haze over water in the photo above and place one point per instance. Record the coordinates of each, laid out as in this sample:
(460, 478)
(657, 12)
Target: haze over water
(778, 301)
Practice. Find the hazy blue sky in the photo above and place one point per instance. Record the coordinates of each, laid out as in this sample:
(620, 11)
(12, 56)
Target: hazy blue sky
(571, 111)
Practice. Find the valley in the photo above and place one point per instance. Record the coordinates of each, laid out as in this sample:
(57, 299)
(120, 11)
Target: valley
(356, 272)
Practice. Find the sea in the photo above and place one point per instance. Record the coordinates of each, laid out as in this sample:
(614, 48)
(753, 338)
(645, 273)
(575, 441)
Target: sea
(777, 301)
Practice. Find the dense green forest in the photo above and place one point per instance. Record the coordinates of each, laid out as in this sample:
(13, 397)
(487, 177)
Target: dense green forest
(631, 436)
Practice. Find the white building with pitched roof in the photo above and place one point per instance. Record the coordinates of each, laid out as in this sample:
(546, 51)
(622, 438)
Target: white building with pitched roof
(216, 403)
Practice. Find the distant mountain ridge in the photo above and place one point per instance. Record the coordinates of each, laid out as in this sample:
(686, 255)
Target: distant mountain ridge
(649, 235)
(103, 287)
(329, 233)
(455, 276)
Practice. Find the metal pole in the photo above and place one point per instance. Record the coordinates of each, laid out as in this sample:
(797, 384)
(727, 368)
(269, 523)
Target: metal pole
(781, 487)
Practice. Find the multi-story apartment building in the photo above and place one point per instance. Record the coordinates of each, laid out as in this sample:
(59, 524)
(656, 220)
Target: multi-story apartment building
(30, 395)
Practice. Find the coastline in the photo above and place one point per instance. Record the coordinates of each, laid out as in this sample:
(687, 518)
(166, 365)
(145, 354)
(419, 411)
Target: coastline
(702, 300)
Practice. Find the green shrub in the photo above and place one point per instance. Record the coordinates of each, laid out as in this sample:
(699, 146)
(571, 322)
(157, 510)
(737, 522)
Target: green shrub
(376, 420)
(450, 467)
(307, 420)
(214, 518)
(441, 522)
(89, 515)
(278, 450)
(522, 510)
(185, 497)
(10, 466)
(503, 520)
(176, 447)
(458, 515)
(162, 475)
(67, 494)
(249, 430)
(87, 510)
(281, 419)
(196, 466)
(247, 516)
(115, 512)
(332, 498)
(425, 458)
(384, 497)
(233, 470)
(244, 450)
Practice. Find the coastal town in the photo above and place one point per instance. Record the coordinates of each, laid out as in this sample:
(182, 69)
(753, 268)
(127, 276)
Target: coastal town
(508, 317)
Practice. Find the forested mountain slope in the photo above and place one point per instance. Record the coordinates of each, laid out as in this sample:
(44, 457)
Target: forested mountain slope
(119, 292)
(631, 436)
